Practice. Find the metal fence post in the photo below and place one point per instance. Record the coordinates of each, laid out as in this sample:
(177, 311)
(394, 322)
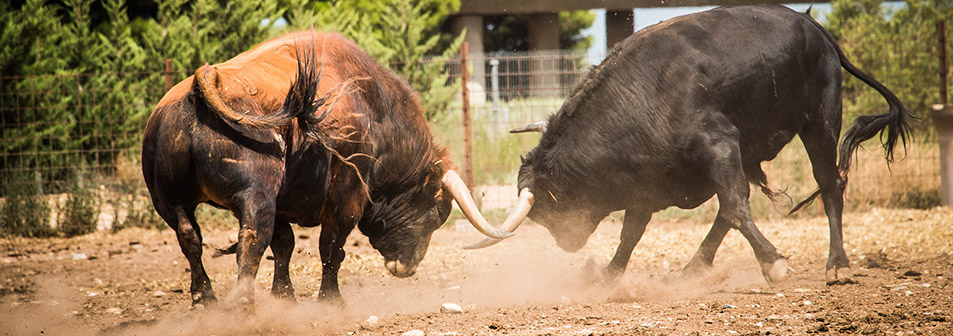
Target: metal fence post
(465, 104)
(942, 116)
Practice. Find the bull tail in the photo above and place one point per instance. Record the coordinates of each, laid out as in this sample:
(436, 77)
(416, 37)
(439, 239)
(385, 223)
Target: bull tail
(299, 103)
(225, 251)
(894, 122)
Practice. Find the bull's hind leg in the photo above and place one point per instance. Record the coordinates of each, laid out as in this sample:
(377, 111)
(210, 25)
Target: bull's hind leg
(187, 232)
(821, 146)
(282, 245)
(705, 255)
(731, 186)
(257, 224)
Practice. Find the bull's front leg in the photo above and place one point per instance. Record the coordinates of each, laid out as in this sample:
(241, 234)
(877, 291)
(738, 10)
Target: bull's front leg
(331, 246)
(633, 226)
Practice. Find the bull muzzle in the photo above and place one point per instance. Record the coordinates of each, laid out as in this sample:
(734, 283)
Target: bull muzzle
(399, 269)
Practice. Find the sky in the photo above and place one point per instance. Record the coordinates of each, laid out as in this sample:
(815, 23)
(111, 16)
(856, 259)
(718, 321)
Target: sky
(645, 17)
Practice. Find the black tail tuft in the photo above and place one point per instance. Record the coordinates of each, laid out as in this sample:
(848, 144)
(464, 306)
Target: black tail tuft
(225, 251)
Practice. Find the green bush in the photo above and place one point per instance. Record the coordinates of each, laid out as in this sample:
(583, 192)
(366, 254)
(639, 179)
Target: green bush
(24, 212)
(80, 213)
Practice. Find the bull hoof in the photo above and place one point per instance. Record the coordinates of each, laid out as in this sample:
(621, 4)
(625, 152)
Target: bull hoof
(695, 269)
(775, 272)
(284, 293)
(202, 302)
(836, 273)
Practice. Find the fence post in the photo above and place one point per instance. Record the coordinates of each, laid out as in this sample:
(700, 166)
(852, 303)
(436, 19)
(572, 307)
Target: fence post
(168, 74)
(942, 116)
(465, 104)
(941, 37)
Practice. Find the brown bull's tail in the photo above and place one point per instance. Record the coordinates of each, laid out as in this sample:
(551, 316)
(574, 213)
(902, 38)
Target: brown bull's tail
(894, 122)
(300, 101)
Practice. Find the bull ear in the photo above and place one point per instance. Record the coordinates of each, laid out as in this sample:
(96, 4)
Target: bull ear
(539, 126)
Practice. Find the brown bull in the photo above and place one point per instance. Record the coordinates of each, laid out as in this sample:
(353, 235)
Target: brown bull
(307, 129)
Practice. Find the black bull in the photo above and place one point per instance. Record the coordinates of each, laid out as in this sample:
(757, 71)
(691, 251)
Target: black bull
(346, 145)
(687, 109)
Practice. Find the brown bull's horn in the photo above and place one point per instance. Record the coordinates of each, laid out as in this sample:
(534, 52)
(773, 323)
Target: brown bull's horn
(454, 184)
(512, 222)
(539, 126)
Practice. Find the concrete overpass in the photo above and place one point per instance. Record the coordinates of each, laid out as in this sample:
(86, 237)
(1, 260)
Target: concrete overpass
(543, 16)
(544, 28)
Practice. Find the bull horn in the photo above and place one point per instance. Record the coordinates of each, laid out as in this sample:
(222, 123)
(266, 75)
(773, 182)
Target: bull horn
(512, 222)
(539, 126)
(458, 189)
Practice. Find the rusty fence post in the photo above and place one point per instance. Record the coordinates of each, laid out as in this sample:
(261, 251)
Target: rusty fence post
(168, 74)
(465, 104)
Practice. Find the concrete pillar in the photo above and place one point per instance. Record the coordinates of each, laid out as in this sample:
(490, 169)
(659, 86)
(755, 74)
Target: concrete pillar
(543, 31)
(942, 116)
(619, 25)
(474, 38)
(543, 39)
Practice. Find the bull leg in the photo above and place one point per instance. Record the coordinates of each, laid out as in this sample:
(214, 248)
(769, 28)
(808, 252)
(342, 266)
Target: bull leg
(331, 246)
(732, 190)
(705, 255)
(257, 226)
(633, 226)
(282, 245)
(187, 232)
(821, 149)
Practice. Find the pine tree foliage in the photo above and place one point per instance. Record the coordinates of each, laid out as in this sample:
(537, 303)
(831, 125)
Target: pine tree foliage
(896, 44)
(80, 77)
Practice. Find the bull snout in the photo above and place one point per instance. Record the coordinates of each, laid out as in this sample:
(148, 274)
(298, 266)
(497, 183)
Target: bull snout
(399, 269)
(571, 244)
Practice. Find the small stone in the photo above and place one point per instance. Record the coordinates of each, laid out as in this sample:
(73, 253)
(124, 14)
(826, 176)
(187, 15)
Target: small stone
(414, 332)
(728, 306)
(911, 273)
(807, 303)
(158, 293)
(370, 323)
(759, 324)
(927, 285)
(451, 308)
(454, 288)
(584, 332)
(908, 293)
(780, 294)
(114, 310)
(80, 256)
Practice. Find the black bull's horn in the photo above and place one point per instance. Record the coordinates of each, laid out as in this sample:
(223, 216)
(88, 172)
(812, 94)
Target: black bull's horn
(539, 126)
(458, 189)
(513, 221)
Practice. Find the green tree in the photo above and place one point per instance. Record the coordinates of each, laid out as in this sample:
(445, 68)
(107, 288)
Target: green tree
(402, 35)
(511, 32)
(897, 46)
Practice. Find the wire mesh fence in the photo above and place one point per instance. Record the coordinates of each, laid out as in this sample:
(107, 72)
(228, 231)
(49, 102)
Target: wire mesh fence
(60, 131)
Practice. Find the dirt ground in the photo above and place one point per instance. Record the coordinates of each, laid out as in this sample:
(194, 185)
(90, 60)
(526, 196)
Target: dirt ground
(135, 282)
